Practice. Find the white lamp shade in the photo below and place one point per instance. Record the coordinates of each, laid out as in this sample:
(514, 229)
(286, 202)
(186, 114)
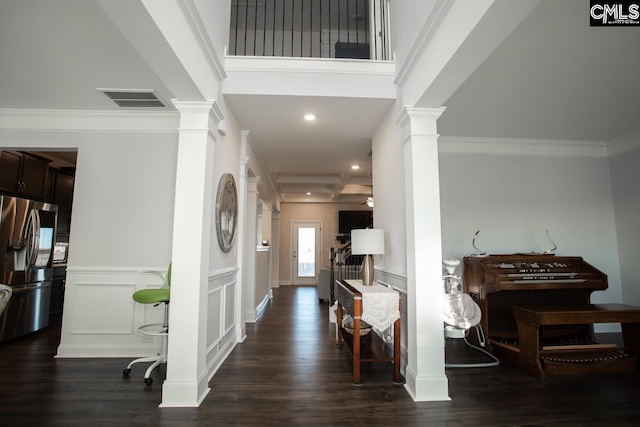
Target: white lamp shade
(369, 241)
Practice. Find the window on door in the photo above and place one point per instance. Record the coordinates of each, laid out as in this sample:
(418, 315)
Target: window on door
(306, 252)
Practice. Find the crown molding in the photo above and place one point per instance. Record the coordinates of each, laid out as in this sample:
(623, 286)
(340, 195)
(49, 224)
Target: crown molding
(190, 12)
(624, 144)
(89, 120)
(522, 147)
(430, 28)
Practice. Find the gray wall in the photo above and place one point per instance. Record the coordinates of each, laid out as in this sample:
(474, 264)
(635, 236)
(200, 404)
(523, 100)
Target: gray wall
(625, 181)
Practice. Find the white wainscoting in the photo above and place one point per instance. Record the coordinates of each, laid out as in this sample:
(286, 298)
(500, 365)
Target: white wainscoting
(100, 317)
(398, 283)
(221, 319)
(103, 309)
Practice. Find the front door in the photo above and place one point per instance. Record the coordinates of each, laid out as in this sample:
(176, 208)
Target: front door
(306, 252)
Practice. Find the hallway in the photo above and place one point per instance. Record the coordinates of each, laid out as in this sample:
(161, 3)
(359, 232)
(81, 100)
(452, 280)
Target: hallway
(289, 372)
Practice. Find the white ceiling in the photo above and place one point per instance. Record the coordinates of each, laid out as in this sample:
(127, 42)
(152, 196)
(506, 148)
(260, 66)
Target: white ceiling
(313, 156)
(553, 78)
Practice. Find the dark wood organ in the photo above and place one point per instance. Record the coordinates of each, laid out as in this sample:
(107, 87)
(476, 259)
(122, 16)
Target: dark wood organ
(500, 282)
(536, 312)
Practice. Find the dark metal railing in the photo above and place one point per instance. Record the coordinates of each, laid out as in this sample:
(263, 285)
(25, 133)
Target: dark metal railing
(310, 28)
(344, 266)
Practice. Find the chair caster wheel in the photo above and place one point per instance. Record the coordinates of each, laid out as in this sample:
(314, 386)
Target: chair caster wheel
(126, 372)
(148, 381)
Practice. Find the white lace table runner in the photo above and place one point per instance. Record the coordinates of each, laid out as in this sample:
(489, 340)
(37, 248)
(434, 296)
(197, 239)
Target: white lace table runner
(379, 304)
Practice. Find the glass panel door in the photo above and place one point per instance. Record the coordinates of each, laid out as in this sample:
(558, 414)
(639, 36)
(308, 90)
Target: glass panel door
(306, 253)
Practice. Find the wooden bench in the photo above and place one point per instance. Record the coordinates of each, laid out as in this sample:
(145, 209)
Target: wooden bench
(587, 357)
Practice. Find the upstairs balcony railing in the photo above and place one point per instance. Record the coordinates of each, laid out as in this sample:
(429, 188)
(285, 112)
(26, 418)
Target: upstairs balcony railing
(356, 29)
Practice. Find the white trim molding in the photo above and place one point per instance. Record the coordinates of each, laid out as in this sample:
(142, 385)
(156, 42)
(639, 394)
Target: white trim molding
(521, 147)
(309, 65)
(624, 144)
(95, 120)
(430, 28)
(201, 35)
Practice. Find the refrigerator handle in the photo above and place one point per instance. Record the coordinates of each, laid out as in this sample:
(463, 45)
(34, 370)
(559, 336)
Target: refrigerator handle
(33, 238)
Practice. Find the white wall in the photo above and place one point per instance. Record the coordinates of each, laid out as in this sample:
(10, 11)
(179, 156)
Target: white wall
(625, 176)
(122, 219)
(512, 200)
(224, 289)
(389, 196)
(407, 20)
(226, 160)
(215, 19)
(123, 201)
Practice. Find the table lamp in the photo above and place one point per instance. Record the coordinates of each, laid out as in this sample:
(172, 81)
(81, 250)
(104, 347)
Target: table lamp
(367, 242)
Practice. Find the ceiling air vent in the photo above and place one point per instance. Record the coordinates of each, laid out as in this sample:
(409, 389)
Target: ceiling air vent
(133, 98)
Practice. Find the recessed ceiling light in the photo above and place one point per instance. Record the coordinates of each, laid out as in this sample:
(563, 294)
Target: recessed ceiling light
(355, 167)
(309, 116)
(308, 194)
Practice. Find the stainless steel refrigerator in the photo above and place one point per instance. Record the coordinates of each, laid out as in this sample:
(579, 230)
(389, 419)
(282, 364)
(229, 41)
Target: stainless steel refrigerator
(27, 237)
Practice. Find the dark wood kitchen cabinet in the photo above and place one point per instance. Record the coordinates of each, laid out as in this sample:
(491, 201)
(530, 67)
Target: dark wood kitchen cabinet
(23, 175)
(62, 183)
(57, 294)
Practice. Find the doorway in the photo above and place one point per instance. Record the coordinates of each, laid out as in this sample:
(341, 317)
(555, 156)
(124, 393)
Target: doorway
(306, 252)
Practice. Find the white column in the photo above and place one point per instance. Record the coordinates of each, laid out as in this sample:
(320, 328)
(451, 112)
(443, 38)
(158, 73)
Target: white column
(249, 254)
(425, 374)
(187, 377)
(241, 328)
(267, 223)
(275, 250)
(267, 207)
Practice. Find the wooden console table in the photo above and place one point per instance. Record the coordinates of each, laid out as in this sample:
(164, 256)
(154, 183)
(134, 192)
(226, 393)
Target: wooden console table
(370, 348)
(588, 357)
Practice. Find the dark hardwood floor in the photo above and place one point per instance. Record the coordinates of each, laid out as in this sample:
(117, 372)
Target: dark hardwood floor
(289, 372)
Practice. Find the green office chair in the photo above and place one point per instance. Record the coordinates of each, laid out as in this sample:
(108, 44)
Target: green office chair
(5, 295)
(155, 297)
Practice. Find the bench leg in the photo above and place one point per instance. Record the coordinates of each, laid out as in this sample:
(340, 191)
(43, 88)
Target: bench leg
(529, 344)
(631, 337)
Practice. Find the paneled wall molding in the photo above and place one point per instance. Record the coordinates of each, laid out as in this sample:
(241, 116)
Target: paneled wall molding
(83, 319)
(228, 315)
(100, 316)
(388, 278)
(221, 324)
(108, 121)
(429, 29)
(115, 270)
(215, 335)
(522, 147)
(201, 35)
(223, 273)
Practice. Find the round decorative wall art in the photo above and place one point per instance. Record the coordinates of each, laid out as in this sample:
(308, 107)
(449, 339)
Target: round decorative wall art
(226, 212)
